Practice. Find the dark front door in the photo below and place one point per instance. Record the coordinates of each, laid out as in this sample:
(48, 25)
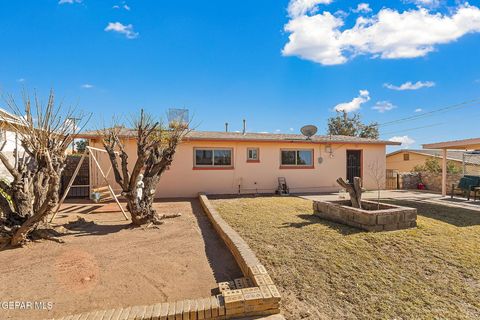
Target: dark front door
(354, 164)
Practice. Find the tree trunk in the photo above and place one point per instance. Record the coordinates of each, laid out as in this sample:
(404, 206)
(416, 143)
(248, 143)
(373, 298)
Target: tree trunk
(47, 206)
(354, 190)
(156, 146)
(142, 210)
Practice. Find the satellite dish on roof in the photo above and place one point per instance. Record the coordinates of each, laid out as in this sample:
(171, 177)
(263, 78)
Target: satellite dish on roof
(309, 131)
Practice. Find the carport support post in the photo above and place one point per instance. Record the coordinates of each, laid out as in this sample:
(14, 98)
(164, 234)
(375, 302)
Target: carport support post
(444, 172)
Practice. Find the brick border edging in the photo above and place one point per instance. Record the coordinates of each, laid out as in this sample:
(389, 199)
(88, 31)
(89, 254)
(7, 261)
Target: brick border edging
(264, 297)
(253, 295)
(242, 253)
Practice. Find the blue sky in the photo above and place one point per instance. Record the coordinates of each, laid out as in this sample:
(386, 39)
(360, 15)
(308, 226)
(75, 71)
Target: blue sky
(280, 64)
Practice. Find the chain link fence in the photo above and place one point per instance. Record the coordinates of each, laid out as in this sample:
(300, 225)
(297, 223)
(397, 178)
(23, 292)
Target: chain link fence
(471, 163)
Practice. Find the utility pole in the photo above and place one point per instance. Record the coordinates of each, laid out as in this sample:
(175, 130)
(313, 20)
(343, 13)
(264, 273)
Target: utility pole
(74, 120)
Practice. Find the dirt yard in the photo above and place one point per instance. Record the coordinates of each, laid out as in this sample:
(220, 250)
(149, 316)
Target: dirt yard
(327, 270)
(105, 264)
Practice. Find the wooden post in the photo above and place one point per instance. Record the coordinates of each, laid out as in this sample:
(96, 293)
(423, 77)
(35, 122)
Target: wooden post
(70, 183)
(354, 190)
(444, 173)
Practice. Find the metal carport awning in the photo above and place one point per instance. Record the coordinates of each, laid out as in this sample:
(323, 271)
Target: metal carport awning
(466, 144)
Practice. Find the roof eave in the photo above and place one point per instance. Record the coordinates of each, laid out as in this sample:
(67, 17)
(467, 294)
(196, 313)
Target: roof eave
(323, 141)
(466, 144)
(246, 139)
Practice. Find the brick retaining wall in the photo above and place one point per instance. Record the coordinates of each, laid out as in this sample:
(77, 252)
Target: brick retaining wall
(433, 181)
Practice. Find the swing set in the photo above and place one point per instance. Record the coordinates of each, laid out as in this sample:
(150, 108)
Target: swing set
(99, 193)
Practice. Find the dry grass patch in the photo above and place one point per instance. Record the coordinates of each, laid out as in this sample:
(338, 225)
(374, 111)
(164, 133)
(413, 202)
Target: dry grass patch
(327, 270)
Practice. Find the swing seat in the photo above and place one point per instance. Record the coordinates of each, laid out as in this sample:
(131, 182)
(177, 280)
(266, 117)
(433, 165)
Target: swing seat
(101, 194)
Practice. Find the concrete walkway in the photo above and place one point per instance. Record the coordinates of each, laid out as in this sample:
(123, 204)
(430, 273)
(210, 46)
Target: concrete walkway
(412, 195)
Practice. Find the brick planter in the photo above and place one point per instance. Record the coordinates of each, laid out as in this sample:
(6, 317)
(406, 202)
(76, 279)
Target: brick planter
(389, 217)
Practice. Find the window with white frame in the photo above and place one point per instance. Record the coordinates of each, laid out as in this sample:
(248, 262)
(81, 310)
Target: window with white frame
(253, 154)
(213, 157)
(297, 157)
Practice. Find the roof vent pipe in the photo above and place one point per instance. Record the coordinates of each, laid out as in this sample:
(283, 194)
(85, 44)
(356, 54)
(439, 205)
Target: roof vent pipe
(226, 126)
(244, 126)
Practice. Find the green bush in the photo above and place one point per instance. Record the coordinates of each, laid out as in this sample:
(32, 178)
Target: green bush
(432, 165)
(4, 194)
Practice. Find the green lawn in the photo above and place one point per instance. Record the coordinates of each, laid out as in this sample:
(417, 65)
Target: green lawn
(330, 271)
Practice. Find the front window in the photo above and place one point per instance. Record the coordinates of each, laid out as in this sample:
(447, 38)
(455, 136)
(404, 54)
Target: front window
(203, 157)
(213, 157)
(252, 154)
(297, 158)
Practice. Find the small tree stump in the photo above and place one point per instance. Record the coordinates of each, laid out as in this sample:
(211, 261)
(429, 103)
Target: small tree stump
(354, 190)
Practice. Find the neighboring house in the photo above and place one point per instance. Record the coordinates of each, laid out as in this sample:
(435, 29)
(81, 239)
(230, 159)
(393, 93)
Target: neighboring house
(232, 163)
(407, 159)
(9, 141)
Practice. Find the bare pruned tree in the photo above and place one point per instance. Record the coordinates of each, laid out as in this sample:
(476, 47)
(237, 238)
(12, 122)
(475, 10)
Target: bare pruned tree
(156, 146)
(45, 131)
(377, 172)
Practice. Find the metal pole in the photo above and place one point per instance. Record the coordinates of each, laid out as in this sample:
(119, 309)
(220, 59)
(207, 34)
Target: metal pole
(444, 173)
(74, 129)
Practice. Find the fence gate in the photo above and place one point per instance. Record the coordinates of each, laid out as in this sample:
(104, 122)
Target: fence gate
(391, 179)
(81, 185)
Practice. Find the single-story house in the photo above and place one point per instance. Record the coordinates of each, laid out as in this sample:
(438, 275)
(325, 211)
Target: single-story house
(9, 141)
(406, 160)
(236, 162)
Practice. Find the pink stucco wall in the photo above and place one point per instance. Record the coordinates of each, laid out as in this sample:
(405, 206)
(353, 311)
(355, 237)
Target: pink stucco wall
(181, 180)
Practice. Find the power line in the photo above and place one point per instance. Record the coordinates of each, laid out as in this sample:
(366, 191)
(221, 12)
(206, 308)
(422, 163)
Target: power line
(429, 113)
(416, 128)
(430, 125)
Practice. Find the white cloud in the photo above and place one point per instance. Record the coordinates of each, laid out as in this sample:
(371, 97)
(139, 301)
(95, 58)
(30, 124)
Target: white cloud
(124, 6)
(127, 30)
(355, 104)
(406, 141)
(410, 86)
(21, 80)
(87, 86)
(418, 110)
(426, 3)
(389, 34)
(300, 7)
(69, 1)
(382, 106)
(363, 7)
(341, 14)
(291, 129)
